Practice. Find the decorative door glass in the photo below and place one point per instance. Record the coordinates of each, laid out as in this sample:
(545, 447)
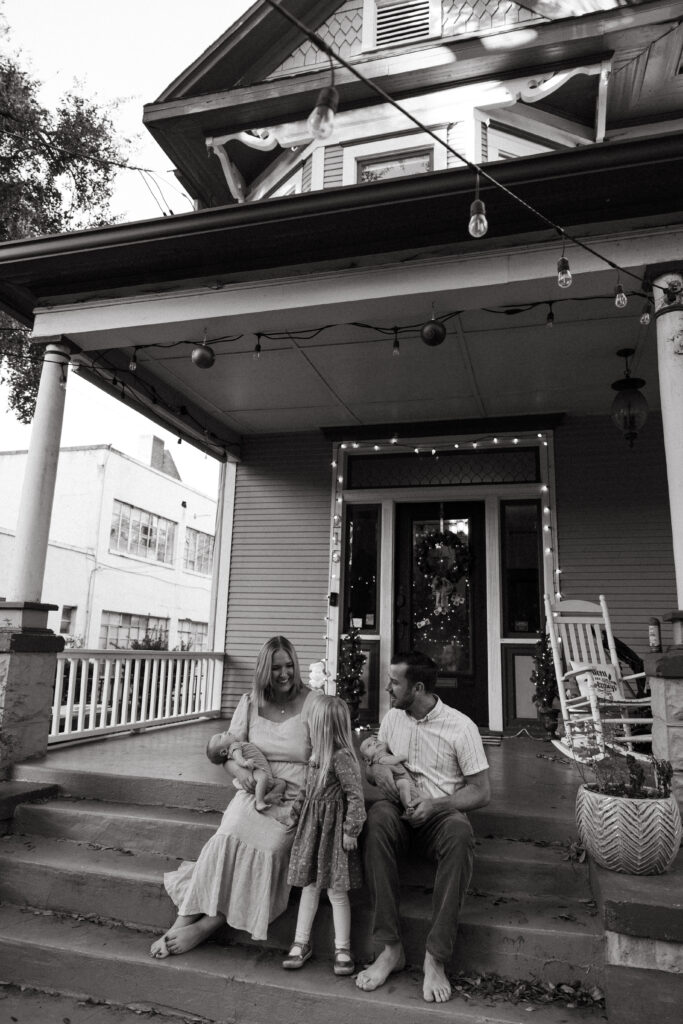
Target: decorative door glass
(441, 607)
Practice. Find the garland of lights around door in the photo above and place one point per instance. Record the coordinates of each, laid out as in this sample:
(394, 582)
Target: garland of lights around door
(442, 557)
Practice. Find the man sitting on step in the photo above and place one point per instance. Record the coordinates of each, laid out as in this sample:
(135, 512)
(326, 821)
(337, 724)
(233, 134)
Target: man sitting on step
(445, 755)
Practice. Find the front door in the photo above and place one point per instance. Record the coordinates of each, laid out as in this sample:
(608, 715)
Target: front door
(440, 600)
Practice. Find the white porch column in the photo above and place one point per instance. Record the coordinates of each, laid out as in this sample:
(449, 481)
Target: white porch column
(35, 511)
(668, 301)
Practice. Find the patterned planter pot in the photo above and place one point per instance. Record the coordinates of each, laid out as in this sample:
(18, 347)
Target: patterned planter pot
(636, 837)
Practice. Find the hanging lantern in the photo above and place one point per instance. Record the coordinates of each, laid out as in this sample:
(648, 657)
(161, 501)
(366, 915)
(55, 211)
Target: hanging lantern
(433, 332)
(629, 408)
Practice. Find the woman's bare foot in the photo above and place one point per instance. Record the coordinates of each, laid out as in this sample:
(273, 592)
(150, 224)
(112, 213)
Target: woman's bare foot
(390, 960)
(436, 987)
(159, 948)
(181, 939)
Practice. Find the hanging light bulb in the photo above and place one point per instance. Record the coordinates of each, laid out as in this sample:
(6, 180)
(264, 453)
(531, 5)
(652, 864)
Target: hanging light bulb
(645, 316)
(257, 347)
(550, 319)
(396, 349)
(203, 355)
(478, 225)
(620, 297)
(433, 332)
(321, 119)
(564, 276)
(133, 364)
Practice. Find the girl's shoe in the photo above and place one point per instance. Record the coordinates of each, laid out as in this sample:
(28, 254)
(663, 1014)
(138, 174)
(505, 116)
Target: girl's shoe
(343, 962)
(297, 956)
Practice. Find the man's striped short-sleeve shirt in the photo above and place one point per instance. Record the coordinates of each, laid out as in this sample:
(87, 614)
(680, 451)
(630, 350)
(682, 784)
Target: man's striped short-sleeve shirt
(441, 748)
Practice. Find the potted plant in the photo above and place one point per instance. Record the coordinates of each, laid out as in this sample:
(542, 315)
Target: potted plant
(627, 818)
(349, 683)
(545, 685)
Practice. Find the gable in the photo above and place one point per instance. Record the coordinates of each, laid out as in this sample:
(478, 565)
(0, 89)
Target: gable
(361, 26)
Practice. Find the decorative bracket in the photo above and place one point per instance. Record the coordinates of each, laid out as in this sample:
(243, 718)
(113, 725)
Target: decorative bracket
(538, 87)
(263, 139)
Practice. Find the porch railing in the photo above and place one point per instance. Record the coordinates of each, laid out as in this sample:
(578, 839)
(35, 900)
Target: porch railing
(101, 692)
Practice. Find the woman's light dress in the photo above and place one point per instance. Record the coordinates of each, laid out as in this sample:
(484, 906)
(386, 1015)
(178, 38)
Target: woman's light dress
(242, 870)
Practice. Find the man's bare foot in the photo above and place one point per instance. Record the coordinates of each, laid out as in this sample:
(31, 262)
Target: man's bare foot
(390, 960)
(159, 948)
(436, 987)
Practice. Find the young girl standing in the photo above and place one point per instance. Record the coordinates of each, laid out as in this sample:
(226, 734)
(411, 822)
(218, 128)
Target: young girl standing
(332, 812)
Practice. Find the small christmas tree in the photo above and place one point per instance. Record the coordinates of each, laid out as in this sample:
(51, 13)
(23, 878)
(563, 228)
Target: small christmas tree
(350, 685)
(543, 676)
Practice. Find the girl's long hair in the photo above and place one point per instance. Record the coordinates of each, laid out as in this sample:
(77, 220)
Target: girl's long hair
(329, 724)
(261, 689)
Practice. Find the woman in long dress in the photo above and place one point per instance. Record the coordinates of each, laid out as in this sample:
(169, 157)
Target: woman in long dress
(240, 876)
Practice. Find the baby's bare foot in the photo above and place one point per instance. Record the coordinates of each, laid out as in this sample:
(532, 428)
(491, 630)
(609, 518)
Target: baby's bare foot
(159, 949)
(390, 960)
(436, 987)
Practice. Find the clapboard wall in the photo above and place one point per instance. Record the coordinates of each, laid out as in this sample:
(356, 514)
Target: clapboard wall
(280, 554)
(614, 526)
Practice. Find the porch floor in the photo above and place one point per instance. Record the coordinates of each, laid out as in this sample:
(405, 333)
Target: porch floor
(528, 776)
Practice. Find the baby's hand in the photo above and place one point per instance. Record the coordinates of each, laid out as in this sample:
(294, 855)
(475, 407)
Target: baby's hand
(349, 842)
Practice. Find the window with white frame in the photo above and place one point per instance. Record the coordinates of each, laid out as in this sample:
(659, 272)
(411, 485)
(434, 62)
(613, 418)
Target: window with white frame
(134, 531)
(381, 159)
(119, 630)
(193, 636)
(504, 145)
(198, 554)
(68, 619)
(397, 22)
(395, 165)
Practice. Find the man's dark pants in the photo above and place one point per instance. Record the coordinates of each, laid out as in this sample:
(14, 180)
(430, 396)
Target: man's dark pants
(446, 838)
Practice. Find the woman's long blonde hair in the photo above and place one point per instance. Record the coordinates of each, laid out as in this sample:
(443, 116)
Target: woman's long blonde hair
(260, 689)
(329, 725)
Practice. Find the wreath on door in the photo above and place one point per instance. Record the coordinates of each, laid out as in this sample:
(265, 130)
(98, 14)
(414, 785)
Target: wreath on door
(443, 558)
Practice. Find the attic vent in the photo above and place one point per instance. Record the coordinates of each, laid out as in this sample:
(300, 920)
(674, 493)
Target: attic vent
(405, 21)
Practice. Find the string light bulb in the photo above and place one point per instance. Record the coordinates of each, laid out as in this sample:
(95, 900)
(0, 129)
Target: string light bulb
(396, 349)
(645, 316)
(257, 348)
(478, 225)
(550, 319)
(203, 356)
(133, 364)
(564, 274)
(320, 122)
(620, 297)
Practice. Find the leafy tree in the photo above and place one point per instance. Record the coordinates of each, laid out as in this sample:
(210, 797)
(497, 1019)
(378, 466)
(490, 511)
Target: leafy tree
(57, 170)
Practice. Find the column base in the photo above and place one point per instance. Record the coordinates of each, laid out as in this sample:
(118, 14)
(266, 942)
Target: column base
(28, 658)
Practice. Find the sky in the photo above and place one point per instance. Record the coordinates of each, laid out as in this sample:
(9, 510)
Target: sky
(122, 53)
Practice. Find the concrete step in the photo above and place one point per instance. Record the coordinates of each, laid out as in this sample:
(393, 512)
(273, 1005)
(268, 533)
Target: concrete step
(518, 937)
(228, 984)
(552, 822)
(501, 865)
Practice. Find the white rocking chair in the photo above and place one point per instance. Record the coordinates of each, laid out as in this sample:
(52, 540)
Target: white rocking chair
(597, 701)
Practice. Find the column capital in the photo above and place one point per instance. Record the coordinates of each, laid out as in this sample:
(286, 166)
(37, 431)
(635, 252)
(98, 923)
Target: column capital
(57, 341)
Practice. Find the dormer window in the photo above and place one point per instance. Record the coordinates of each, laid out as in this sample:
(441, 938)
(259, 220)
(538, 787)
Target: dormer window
(399, 22)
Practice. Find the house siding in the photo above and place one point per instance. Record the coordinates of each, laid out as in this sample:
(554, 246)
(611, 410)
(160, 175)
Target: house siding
(280, 552)
(306, 173)
(333, 172)
(614, 524)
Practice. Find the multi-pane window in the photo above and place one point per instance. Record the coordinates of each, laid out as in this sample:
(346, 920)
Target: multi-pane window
(119, 630)
(193, 636)
(135, 531)
(68, 619)
(198, 554)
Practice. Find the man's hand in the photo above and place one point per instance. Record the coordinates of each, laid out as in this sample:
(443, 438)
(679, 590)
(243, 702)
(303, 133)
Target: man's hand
(421, 811)
(242, 775)
(349, 842)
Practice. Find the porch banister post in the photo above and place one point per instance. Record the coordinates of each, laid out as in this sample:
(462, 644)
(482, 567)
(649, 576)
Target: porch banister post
(35, 510)
(668, 302)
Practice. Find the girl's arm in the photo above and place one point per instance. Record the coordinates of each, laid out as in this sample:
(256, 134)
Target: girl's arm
(347, 771)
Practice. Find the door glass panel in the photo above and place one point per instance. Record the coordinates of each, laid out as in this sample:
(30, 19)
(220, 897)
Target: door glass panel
(362, 568)
(441, 608)
(521, 567)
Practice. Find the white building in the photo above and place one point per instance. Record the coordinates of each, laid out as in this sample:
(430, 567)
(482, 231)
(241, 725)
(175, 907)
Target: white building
(130, 552)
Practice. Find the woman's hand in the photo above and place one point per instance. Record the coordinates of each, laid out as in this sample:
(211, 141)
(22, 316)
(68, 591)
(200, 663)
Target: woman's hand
(349, 842)
(242, 775)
